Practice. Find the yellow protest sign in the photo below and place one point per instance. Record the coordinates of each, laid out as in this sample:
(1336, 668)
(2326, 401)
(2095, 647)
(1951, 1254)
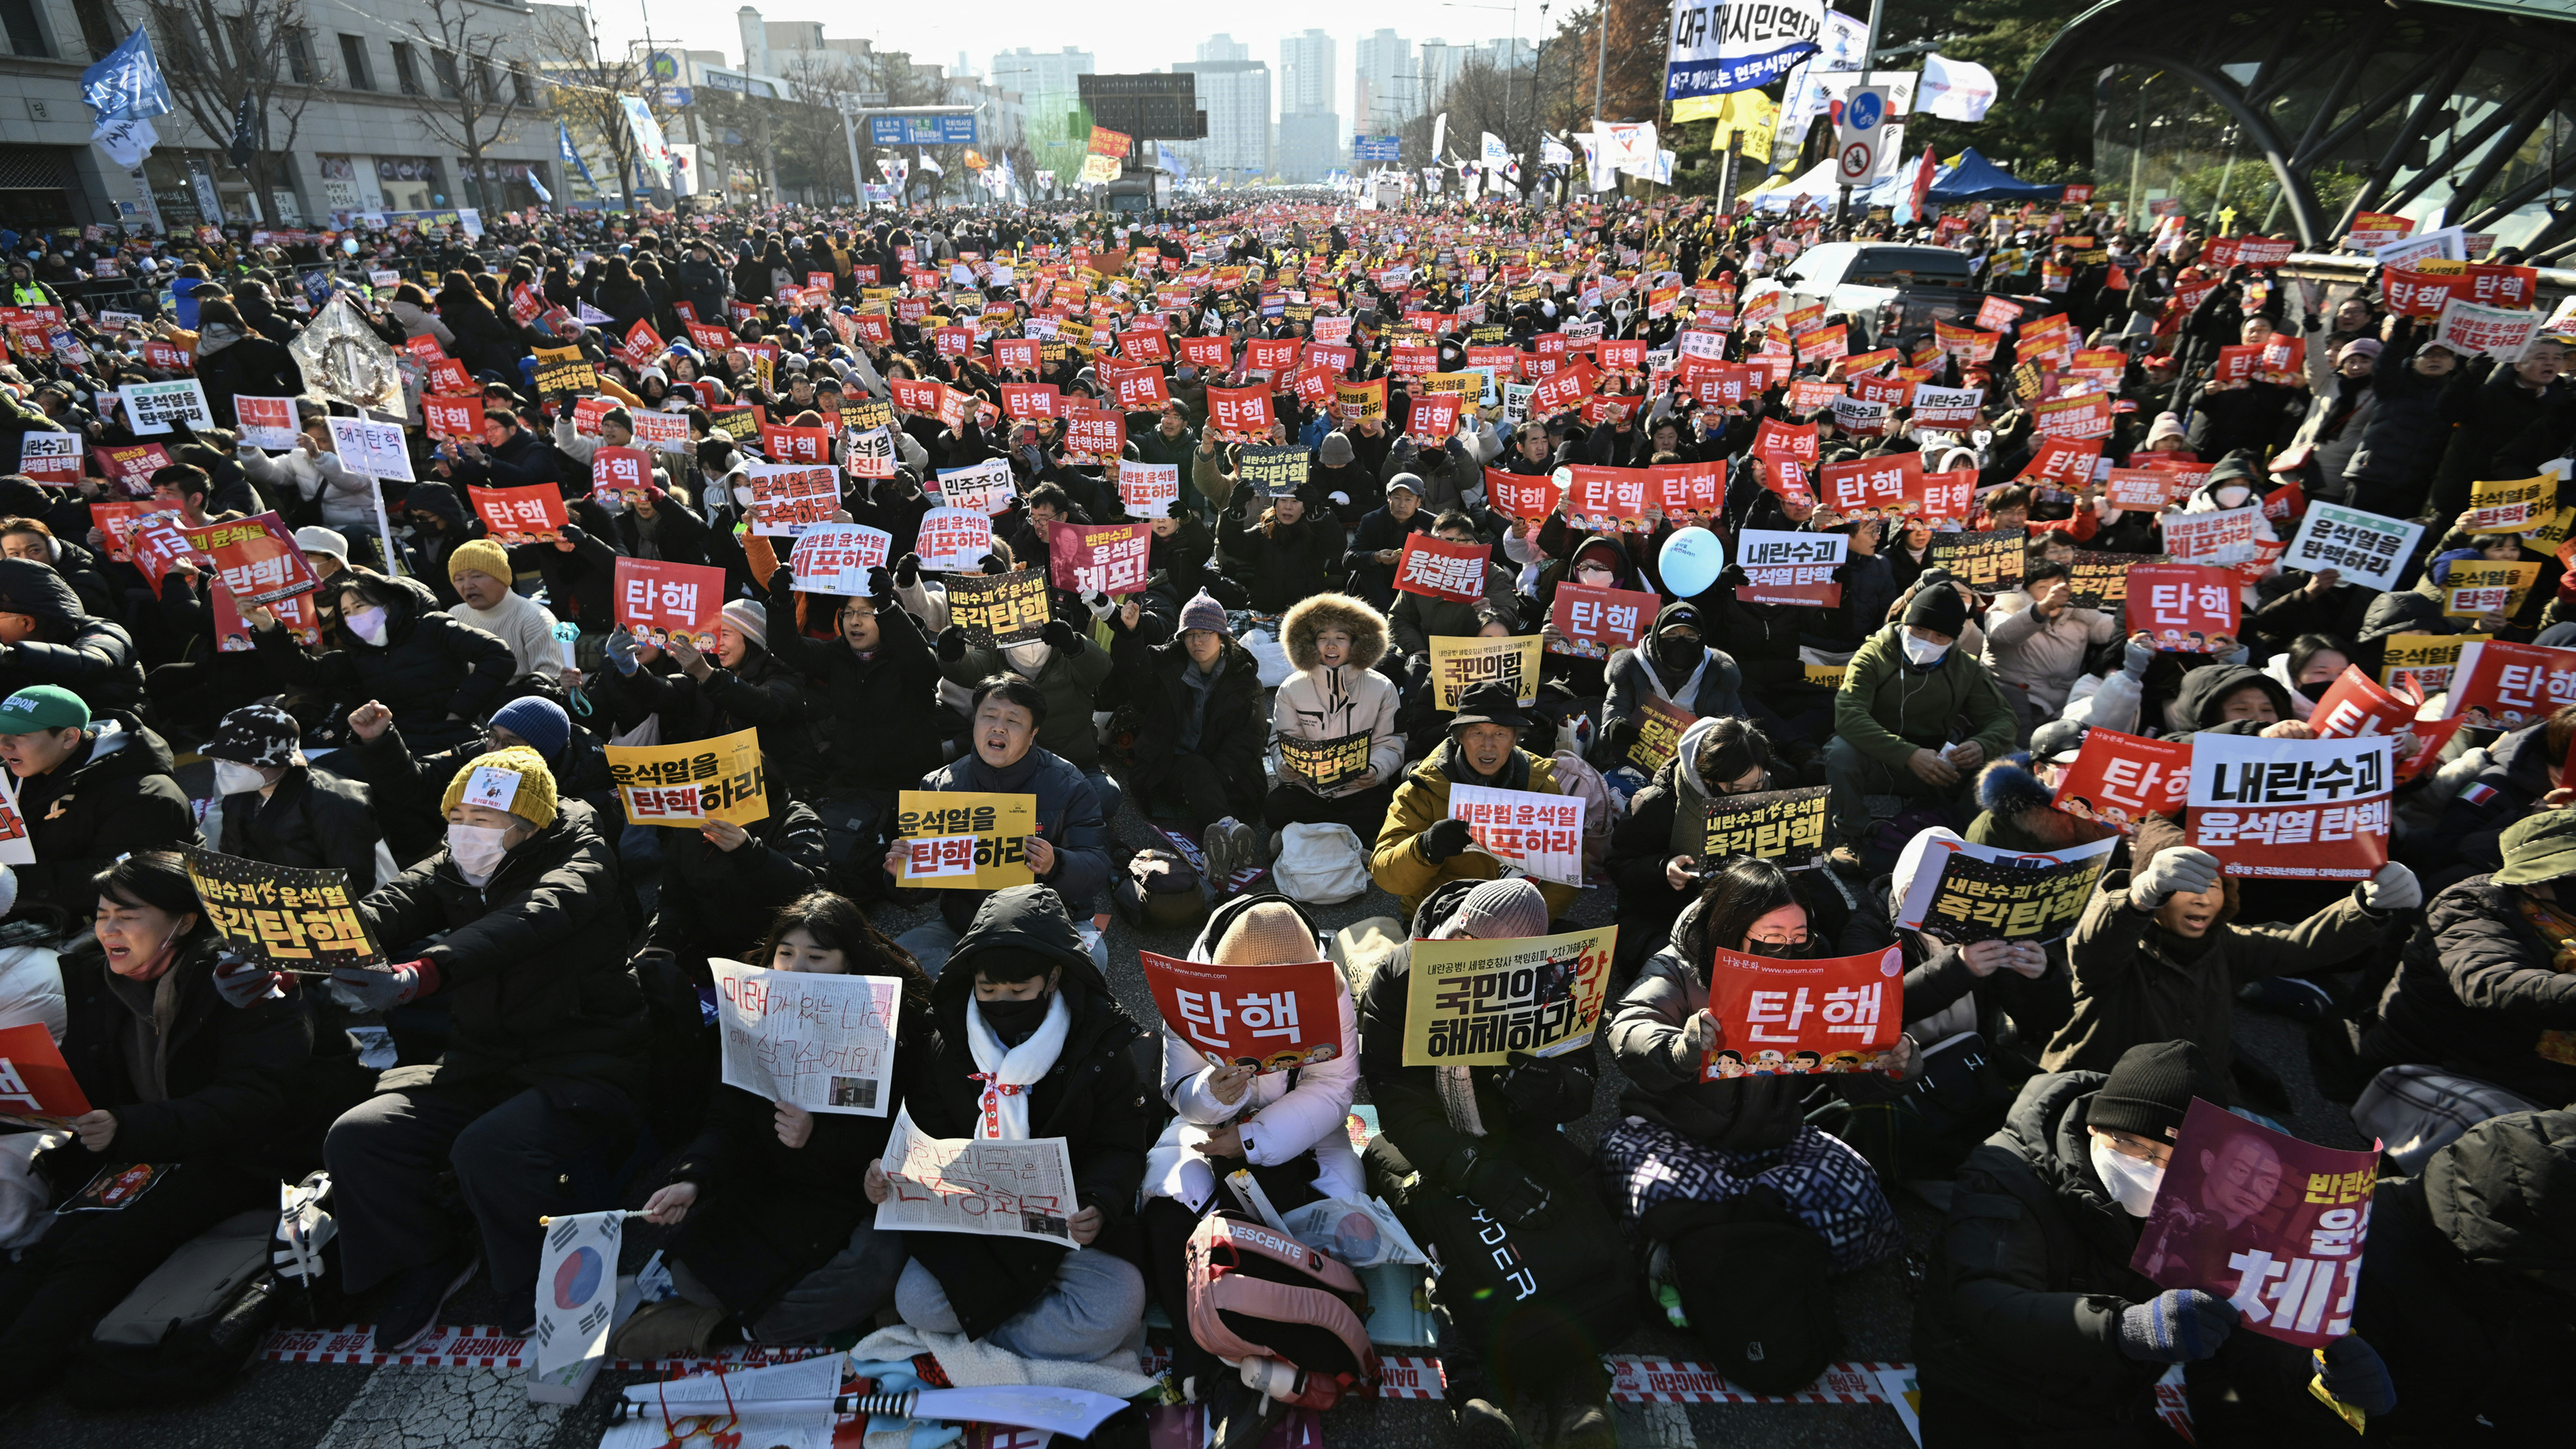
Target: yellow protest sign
(1457, 664)
(564, 369)
(963, 840)
(692, 783)
(2429, 657)
(2473, 588)
(1474, 1003)
(2511, 505)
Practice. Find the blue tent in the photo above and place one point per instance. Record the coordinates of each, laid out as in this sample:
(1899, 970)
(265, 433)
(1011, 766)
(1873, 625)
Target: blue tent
(1977, 179)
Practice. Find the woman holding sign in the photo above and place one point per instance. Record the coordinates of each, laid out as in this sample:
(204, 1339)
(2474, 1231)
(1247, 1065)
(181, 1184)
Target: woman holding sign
(1337, 694)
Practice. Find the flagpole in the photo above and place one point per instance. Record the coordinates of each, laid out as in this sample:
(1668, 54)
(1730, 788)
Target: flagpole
(1868, 59)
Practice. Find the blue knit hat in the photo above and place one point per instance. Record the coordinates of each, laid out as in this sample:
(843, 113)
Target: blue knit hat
(541, 722)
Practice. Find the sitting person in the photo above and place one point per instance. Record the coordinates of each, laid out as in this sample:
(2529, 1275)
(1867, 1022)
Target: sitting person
(775, 1231)
(1420, 845)
(435, 674)
(175, 1079)
(1067, 669)
(52, 638)
(1028, 1042)
(544, 1059)
(874, 691)
(2033, 1332)
(480, 571)
(279, 809)
(2038, 651)
(1904, 697)
(1674, 665)
(1538, 1286)
(1659, 844)
(89, 790)
(733, 685)
(1198, 747)
(1335, 642)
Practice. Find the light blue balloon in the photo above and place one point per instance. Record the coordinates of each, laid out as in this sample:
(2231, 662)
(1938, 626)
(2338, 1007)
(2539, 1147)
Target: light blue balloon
(1691, 561)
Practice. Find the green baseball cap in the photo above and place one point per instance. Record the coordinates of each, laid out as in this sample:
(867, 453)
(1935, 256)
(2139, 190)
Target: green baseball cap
(2539, 847)
(42, 707)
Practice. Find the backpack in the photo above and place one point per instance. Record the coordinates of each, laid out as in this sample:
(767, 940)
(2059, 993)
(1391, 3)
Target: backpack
(1320, 864)
(1161, 891)
(1291, 1318)
(188, 1329)
(2416, 1111)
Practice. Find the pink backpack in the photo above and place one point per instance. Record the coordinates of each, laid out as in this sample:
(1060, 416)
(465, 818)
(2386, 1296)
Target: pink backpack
(1258, 1294)
(1575, 776)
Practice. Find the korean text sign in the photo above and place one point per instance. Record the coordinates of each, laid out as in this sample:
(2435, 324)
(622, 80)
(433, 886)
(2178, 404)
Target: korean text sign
(2294, 809)
(952, 539)
(2183, 606)
(1783, 825)
(1441, 570)
(255, 558)
(963, 840)
(2505, 686)
(1103, 559)
(1008, 608)
(1458, 665)
(1326, 764)
(283, 917)
(1590, 623)
(834, 558)
(1791, 568)
(789, 498)
(692, 783)
(1659, 723)
(35, 1081)
(1528, 832)
(1022, 1188)
(2119, 780)
(1474, 1003)
(1963, 892)
(1148, 490)
(533, 514)
(2365, 548)
(1272, 1018)
(825, 1043)
(2274, 1225)
(1779, 1016)
(658, 600)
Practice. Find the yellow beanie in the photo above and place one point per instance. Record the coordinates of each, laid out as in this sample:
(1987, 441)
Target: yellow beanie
(484, 557)
(515, 780)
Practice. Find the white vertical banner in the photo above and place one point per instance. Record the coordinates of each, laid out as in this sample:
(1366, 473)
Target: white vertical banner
(577, 1288)
(651, 152)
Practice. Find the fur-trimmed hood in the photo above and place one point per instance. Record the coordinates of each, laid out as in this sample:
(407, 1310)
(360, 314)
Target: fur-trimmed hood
(1310, 616)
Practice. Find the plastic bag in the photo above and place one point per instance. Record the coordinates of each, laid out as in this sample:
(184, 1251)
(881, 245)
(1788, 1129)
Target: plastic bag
(1359, 1234)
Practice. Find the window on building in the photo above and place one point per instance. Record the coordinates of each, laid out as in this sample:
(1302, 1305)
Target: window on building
(353, 59)
(484, 84)
(406, 69)
(100, 30)
(26, 37)
(444, 62)
(299, 56)
(519, 89)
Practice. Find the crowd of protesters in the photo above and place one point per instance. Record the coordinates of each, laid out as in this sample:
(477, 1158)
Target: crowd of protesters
(544, 1016)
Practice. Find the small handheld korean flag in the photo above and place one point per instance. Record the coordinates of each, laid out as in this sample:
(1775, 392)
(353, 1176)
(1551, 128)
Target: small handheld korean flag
(577, 1289)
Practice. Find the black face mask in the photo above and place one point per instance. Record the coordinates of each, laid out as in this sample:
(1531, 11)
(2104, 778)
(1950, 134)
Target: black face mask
(1675, 651)
(2315, 691)
(1016, 1021)
(1779, 951)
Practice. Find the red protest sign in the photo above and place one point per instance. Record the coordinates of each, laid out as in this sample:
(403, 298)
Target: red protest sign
(1590, 623)
(1520, 497)
(256, 558)
(662, 602)
(1273, 354)
(35, 1081)
(1270, 1017)
(534, 514)
(788, 445)
(918, 395)
(1781, 1017)
(1607, 500)
(2145, 489)
(2185, 607)
(157, 545)
(1108, 559)
(2292, 809)
(1017, 354)
(2119, 780)
(1031, 400)
(1240, 414)
(1138, 389)
(2073, 417)
(1440, 570)
(789, 498)
(2356, 706)
(1149, 344)
(1871, 486)
(1994, 314)
(132, 465)
(642, 345)
(1213, 353)
(2271, 1224)
(1775, 442)
(1950, 495)
(1435, 416)
(457, 419)
(620, 473)
(1094, 436)
(2065, 462)
(1689, 492)
(2502, 686)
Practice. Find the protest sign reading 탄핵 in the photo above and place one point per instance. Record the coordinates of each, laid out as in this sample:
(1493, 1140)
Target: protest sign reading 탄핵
(282, 917)
(1789, 1016)
(692, 783)
(1272, 1018)
(825, 1043)
(2292, 809)
(1474, 1003)
(963, 839)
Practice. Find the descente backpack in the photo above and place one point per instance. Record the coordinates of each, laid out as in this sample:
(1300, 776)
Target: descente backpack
(1256, 1294)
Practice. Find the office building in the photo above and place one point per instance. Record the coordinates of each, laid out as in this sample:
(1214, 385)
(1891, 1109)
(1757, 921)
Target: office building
(1385, 91)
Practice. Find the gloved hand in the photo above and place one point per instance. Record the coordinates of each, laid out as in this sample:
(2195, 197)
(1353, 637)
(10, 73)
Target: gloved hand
(1101, 606)
(2394, 888)
(1546, 1089)
(952, 644)
(993, 564)
(242, 984)
(621, 651)
(1493, 1182)
(362, 990)
(2135, 658)
(2179, 1325)
(2351, 1370)
(2185, 870)
(1444, 839)
(1059, 636)
(907, 571)
(1700, 1035)
(881, 587)
(783, 576)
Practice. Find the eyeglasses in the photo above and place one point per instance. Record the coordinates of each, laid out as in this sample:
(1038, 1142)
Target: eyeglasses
(1799, 939)
(721, 1432)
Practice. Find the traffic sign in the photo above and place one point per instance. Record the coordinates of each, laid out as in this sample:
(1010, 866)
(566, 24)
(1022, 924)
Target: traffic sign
(1858, 136)
(1858, 160)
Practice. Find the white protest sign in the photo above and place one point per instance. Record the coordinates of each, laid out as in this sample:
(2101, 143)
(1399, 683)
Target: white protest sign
(266, 422)
(373, 448)
(789, 498)
(662, 432)
(984, 488)
(2365, 548)
(577, 1288)
(491, 787)
(953, 539)
(151, 407)
(2502, 332)
(834, 558)
(1015, 1189)
(1148, 490)
(50, 457)
(1526, 832)
(17, 847)
(2223, 537)
(824, 1043)
(870, 454)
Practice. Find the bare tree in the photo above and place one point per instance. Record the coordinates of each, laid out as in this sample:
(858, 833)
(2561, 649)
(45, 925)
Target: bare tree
(478, 86)
(254, 62)
(826, 84)
(583, 97)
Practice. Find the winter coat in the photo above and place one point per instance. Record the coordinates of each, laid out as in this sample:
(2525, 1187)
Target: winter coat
(1282, 562)
(2040, 658)
(2334, 430)
(702, 286)
(1666, 818)
(719, 902)
(1738, 1114)
(1068, 815)
(2020, 1308)
(227, 1071)
(1317, 703)
(251, 366)
(485, 341)
(1397, 863)
(879, 715)
(1887, 709)
(531, 967)
(762, 695)
(89, 656)
(429, 667)
(1417, 619)
(310, 821)
(1231, 732)
(1377, 530)
(115, 794)
(2407, 433)
(2491, 416)
(2518, 773)
(1091, 1097)
(1071, 683)
(1713, 689)
(2479, 993)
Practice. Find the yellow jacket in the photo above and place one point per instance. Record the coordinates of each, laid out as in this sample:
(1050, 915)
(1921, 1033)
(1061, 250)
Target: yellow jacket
(1422, 800)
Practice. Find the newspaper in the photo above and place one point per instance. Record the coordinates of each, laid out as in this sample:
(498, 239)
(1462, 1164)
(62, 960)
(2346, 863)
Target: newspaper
(824, 1043)
(1020, 1189)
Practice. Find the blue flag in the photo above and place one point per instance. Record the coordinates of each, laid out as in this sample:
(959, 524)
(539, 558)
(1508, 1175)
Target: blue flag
(572, 156)
(1171, 161)
(127, 86)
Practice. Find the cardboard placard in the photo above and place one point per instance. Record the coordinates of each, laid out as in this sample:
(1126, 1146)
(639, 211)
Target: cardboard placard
(2119, 780)
(375, 449)
(834, 558)
(1460, 664)
(1105, 559)
(995, 609)
(533, 514)
(36, 1084)
(2473, 588)
(1962, 892)
(1278, 472)
(1474, 1003)
(1528, 832)
(962, 840)
(2292, 809)
(690, 784)
(1593, 623)
(984, 488)
(281, 917)
(1442, 570)
(788, 499)
(1660, 723)
(1148, 490)
(2188, 609)
(1989, 561)
(951, 540)
(1783, 825)
(151, 407)
(1274, 1018)
(666, 603)
(2496, 685)
(1804, 1016)
(825, 1043)
(1326, 764)
(2364, 548)
(1791, 568)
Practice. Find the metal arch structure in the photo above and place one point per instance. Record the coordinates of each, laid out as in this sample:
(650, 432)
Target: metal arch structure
(2193, 40)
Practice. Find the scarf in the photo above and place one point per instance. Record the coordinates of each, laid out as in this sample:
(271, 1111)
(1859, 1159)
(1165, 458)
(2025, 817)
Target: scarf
(1452, 762)
(214, 337)
(1008, 1072)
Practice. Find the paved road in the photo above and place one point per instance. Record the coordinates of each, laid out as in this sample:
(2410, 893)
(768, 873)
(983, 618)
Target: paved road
(302, 1406)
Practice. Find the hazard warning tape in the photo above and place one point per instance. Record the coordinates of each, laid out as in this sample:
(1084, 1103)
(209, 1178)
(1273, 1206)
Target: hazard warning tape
(1636, 1380)
(485, 1347)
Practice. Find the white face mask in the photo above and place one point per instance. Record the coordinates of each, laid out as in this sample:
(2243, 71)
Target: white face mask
(2232, 496)
(233, 777)
(367, 623)
(478, 850)
(742, 494)
(1028, 659)
(1920, 650)
(2131, 1183)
